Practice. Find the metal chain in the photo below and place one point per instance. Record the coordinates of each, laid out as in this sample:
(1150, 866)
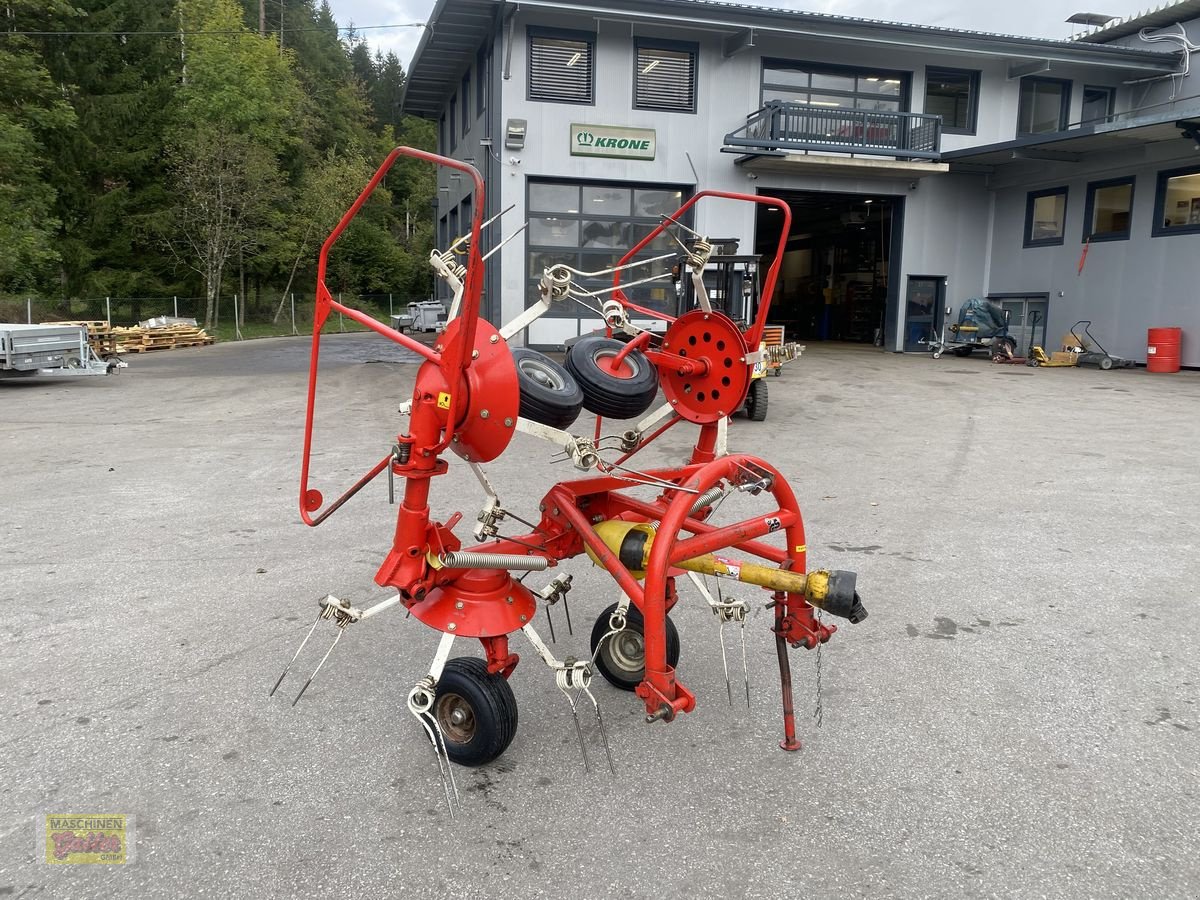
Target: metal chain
(819, 710)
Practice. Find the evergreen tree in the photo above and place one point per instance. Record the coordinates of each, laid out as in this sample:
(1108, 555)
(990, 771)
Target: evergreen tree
(32, 114)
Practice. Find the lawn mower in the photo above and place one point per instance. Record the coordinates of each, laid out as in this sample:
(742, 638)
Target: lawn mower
(1077, 351)
(647, 528)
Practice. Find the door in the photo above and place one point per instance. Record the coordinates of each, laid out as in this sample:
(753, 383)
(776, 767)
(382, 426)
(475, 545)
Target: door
(925, 301)
(1026, 319)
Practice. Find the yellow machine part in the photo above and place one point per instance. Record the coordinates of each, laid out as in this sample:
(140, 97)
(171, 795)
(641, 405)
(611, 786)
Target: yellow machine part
(1057, 359)
(814, 586)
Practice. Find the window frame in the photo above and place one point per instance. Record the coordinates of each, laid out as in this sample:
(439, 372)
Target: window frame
(1089, 209)
(443, 147)
(1109, 110)
(533, 32)
(483, 58)
(452, 122)
(1064, 110)
(581, 215)
(1160, 203)
(689, 47)
(974, 77)
(1030, 200)
(465, 94)
(903, 98)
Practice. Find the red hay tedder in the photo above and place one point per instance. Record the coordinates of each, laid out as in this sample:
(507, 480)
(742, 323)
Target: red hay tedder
(473, 393)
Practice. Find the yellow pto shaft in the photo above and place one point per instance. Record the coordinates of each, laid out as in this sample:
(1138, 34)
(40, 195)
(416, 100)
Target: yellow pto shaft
(830, 591)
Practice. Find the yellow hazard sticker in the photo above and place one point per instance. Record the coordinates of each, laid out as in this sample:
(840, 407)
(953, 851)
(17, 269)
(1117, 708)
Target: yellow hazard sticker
(443, 400)
(802, 548)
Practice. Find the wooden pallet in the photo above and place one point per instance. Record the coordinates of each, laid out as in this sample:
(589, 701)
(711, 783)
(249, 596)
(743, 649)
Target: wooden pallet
(142, 340)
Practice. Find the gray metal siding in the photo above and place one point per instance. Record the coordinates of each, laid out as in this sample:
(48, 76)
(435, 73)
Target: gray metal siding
(1127, 286)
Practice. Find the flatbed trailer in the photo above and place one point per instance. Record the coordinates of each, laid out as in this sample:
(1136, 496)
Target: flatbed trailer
(28, 351)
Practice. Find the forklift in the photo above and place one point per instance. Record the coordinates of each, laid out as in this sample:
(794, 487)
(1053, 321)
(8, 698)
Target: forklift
(733, 287)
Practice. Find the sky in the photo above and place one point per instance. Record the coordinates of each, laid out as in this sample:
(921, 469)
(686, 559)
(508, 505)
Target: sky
(1032, 18)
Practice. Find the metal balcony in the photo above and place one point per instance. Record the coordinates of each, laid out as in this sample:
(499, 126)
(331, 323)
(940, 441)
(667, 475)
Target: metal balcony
(783, 125)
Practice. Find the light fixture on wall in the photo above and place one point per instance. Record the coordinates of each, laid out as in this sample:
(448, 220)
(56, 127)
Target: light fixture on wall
(514, 134)
(1190, 129)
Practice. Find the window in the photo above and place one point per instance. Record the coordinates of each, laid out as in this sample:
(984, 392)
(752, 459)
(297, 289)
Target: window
(952, 94)
(1097, 104)
(665, 76)
(1045, 103)
(832, 86)
(590, 226)
(453, 120)
(560, 66)
(1109, 210)
(1045, 217)
(482, 60)
(1177, 202)
(465, 93)
(442, 145)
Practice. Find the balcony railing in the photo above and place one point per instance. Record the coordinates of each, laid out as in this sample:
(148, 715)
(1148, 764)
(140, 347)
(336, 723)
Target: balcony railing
(783, 125)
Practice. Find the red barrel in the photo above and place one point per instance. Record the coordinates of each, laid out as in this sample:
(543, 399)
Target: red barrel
(1162, 349)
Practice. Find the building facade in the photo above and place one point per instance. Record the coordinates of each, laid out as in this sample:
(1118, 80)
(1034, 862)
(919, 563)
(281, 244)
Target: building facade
(923, 166)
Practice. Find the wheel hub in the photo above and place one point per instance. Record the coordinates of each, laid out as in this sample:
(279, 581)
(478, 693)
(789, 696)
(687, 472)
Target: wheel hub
(719, 389)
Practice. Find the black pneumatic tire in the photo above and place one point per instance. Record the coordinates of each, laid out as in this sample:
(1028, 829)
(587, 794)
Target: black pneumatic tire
(606, 394)
(622, 661)
(549, 393)
(756, 401)
(963, 351)
(476, 711)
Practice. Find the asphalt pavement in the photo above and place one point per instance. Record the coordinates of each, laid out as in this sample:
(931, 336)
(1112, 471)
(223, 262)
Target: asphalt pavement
(1016, 718)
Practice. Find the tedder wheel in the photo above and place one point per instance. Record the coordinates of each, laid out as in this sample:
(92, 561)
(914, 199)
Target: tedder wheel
(549, 393)
(475, 710)
(963, 351)
(621, 394)
(622, 660)
(756, 401)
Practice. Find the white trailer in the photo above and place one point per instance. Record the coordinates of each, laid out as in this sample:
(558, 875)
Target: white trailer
(27, 351)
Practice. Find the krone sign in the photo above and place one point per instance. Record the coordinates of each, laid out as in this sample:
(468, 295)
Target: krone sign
(612, 141)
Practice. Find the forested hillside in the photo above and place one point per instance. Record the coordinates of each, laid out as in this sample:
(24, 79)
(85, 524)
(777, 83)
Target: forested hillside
(160, 148)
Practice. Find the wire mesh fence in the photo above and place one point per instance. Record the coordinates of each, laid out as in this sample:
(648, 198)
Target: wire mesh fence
(235, 319)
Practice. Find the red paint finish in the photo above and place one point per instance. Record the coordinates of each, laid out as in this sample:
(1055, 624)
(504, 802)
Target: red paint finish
(1163, 349)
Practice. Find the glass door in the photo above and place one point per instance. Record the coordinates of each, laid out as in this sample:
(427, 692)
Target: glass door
(925, 302)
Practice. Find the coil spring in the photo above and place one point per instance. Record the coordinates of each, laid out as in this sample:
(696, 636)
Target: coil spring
(700, 252)
(460, 559)
(708, 498)
(556, 282)
(614, 312)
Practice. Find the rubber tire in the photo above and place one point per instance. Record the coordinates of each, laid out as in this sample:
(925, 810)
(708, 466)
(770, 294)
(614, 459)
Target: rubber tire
(606, 394)
(963, 351)
(1105, 363)
(491, 704)
(756, 401)
(556, 399)
(616, 674)
(998, 353)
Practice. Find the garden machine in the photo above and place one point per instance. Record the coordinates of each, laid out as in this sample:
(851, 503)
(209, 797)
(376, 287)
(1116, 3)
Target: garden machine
(646, 527)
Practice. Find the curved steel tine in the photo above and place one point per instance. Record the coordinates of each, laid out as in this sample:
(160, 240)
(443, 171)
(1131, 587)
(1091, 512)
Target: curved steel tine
(296, 655)
(603, 734)
(745, 667)
(341, 631)
(437, 753)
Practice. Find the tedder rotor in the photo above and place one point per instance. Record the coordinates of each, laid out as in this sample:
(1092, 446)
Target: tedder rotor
(473, 392)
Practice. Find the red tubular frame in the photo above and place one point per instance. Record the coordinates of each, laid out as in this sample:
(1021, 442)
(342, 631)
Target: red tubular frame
(570, 509)
(454, 368)
(754, 334)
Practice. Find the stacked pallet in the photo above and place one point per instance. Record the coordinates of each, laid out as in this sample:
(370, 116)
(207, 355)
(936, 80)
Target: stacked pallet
(138, 339)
